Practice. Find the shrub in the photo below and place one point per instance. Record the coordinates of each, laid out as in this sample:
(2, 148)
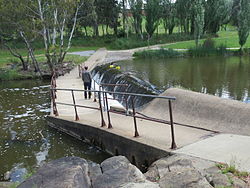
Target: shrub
(162, 53)
(209, 43)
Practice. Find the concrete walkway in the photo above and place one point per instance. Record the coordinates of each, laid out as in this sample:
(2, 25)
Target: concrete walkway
(194, 142)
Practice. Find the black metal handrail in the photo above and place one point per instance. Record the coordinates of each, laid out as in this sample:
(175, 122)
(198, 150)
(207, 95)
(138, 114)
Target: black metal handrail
(133, 114)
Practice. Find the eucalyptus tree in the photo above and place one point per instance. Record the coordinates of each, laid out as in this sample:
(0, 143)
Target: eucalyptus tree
(198, 10)
(52, 18)
(153, 13)
(18, 24)
(136, 10)
(169, 15)
(244, 22)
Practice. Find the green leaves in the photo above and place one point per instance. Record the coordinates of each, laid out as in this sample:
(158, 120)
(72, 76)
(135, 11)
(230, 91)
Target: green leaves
(244, 22)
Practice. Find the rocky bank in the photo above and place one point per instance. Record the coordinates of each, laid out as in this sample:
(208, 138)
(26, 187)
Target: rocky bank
(172, 172)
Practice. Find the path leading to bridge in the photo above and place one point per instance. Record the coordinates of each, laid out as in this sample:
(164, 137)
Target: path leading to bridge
(191, 141)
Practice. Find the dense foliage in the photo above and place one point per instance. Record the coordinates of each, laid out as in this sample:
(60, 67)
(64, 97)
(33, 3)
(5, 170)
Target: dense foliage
(55, 23)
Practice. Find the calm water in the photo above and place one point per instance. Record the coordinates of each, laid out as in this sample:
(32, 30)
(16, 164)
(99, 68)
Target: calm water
(26, 141)
(227, 77)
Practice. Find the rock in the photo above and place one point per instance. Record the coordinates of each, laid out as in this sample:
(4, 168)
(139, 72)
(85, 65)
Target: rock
(7, 184)
(118, 171)
(174, 163)
(147, 184)
(7, 176)
(64, 172)
(114, 162)
(185, 177)
(237, 183)
(220, 180)
(210, 172)
(94, 171)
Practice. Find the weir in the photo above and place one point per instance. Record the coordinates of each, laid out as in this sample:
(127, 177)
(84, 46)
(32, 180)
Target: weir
(142, 140)
(159, 128)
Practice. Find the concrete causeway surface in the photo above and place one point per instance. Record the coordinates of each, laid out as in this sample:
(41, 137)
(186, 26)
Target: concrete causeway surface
(195, 142)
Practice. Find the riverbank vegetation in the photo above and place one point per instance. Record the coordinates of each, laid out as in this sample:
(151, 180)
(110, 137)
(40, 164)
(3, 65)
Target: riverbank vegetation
(52, 28)
(14, 71)
(208, 48)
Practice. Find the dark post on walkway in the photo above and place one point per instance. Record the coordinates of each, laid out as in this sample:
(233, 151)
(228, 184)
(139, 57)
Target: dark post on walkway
(107, 105)
(103, 124)
(74, 102)
(134, 115)
(173, 145)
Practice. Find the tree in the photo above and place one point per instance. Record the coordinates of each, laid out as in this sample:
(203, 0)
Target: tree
(169, 15)
(87, 15)
(184, 12)
(235, 12)
(244, 22)
(153, 13)
(198, 11)
(217, 12)
(52, 16)
(136, 10)
(18, 24)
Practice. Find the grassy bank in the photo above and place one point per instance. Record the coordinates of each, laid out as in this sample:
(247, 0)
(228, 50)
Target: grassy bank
(14, 71)
(228, 38)
(200, 51)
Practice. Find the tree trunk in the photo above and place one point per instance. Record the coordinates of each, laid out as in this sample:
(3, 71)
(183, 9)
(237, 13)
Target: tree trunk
(86, 31)
(103, 30)
(16, 54)
(107, 32)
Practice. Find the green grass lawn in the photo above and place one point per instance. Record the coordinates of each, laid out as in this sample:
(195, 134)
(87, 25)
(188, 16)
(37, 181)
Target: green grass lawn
(228, 38)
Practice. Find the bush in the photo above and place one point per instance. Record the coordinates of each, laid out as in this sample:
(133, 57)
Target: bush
(208, 49)
(162, 53)
(209, 43)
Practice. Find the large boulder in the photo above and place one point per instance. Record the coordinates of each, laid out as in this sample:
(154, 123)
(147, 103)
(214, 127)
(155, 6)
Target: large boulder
(118, 172)
(64, 172)
(179, 171)
(185, 177)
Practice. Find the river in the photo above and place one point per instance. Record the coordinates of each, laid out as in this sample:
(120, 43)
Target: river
(26, 142)
(226, 77)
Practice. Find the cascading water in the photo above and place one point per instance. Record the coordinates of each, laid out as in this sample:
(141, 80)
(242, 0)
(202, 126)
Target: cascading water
(104, 74)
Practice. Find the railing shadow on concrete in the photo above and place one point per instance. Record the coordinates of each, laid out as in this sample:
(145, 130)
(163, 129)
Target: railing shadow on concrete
(104, 106)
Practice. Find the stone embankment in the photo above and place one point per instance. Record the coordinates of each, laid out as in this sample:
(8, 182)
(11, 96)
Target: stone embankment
(174, 171)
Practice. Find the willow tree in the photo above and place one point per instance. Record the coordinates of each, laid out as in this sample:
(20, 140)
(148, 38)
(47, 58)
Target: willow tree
(217, 12)
(198, 11)
(243, 22)
(153, 13)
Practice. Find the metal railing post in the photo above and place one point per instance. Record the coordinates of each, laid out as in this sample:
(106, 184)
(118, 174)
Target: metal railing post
(134, 113)
(103, 124)
(55, 112)
(109, 121)
(74, 102)
(126, 100)
(103, 97)
(94, 92)
(173, 144)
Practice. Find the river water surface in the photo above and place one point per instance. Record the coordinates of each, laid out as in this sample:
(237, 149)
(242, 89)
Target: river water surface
(26, 142)
(226, 77)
